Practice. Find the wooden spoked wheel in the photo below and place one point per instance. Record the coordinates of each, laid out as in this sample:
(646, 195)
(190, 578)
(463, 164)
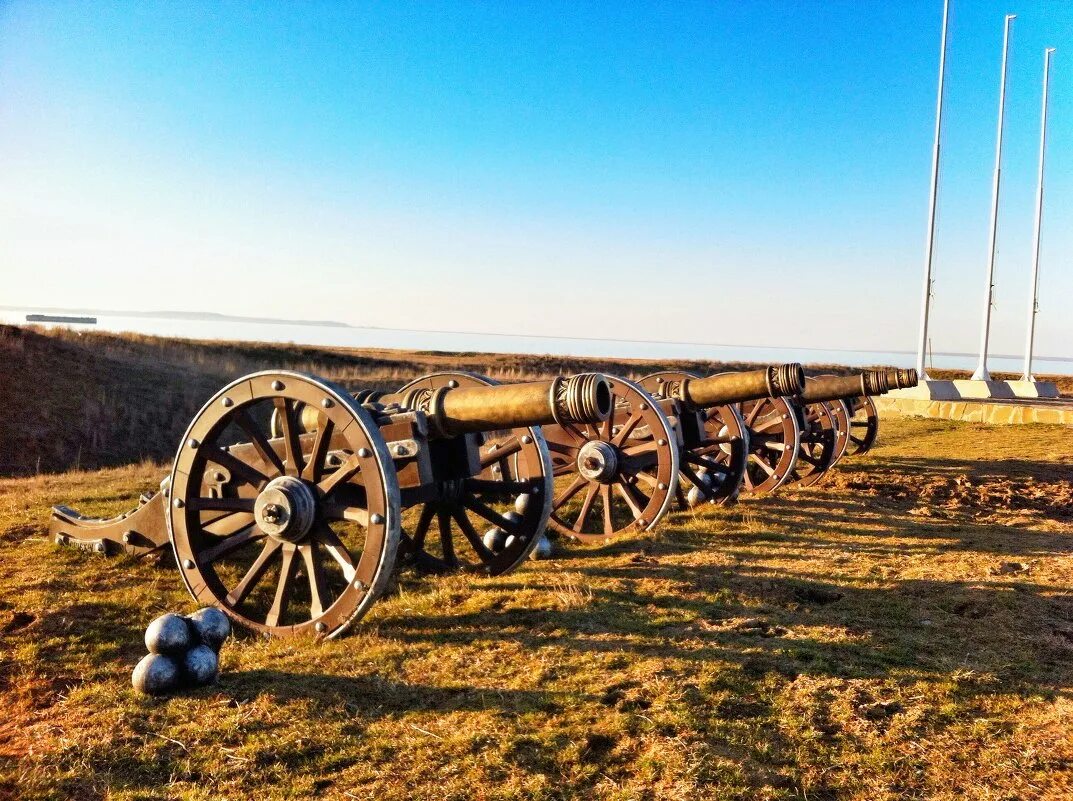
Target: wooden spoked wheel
(614, 476)
(774, 442)
(712, 461)
(819, 439)
(293, 534)
(841, 412)
(863, 425)
(488, 523)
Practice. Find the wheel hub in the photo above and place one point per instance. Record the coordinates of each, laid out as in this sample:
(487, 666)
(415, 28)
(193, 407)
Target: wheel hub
(598, 461)
(285, 509)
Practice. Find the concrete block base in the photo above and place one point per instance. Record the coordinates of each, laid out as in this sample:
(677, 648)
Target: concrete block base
(1033, 389)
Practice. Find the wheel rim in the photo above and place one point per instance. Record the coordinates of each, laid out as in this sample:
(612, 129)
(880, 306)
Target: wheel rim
(512, 495)
(635, 484)
(774, 440)
(712, 471)
(864, 426)
(818, 446)
(291, 570)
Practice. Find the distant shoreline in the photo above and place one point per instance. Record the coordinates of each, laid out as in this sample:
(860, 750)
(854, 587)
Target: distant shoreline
(234, 318)
(171, 315)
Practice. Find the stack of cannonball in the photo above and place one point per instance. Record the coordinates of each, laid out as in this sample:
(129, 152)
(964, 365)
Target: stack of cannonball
(183, 651)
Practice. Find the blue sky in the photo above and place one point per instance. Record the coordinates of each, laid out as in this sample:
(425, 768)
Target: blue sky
(733, 172)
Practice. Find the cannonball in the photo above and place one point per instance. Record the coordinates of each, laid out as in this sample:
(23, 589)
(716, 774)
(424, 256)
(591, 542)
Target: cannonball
(211, 625)
(494, 539)
(543, 549)
(168, 634)
(155, 674)
(521, 503)
(201, 665)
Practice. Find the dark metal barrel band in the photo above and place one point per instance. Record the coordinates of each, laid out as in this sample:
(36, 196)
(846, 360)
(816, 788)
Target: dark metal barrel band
(576, 399)
(874, 383)
(785, 379)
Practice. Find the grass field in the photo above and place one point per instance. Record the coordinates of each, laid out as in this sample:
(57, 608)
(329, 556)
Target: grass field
(905, 631)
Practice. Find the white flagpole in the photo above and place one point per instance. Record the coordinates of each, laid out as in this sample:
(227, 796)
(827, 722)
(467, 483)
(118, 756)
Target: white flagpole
(981, 373)
(1033, 307)
(929, 247)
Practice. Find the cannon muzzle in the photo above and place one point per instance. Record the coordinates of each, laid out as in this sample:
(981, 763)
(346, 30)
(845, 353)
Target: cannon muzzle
(582, 398)
(902, 379)
(836, 387)
(770, 382)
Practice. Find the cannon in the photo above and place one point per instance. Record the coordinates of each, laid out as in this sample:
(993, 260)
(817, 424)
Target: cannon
(715, 438)
(626, 472)
(286, 500)
(826, 408)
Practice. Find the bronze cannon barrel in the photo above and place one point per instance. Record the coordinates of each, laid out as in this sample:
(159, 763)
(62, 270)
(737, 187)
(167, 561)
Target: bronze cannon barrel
(835, 387)
(581, 398)
(774, 381)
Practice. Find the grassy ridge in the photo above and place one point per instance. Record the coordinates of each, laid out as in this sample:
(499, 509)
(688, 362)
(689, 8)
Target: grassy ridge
(75, 399)
(905, 631)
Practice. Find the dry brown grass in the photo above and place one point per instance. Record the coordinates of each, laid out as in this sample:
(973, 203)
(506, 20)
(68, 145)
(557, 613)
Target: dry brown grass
(904, 632)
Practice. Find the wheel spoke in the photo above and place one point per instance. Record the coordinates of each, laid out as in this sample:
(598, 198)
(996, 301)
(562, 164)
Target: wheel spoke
(423, 523)
(257, 439)
(474, 538)
(320, 598)
(627, 492)
(231, 544)
(284, 587)
(763, 465)
(569, 492)
(314, 469)
(254, 574)
(447, 544)
(341, 511)
(237, 467)
(627, 428)
(489, 514)
(605, 501)
(323, 534)
(586, 507)
(289, 430)
(347, 469)
(221, 504)
(228, 524)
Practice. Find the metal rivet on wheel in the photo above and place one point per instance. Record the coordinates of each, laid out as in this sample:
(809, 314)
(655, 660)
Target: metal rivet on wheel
(327, 403)
(659, 380)
(192, 443)
(227, 402)
(277, 386)
(321, 626)
(128, 536)
(178, 503)
(452, 384)
(643, 407)
(661, 486)
(642, 522)
(536, 490)
(359, 584)
(526, 439)
(662, 442)
(364, 453)
(188, 564)
(376, 518)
